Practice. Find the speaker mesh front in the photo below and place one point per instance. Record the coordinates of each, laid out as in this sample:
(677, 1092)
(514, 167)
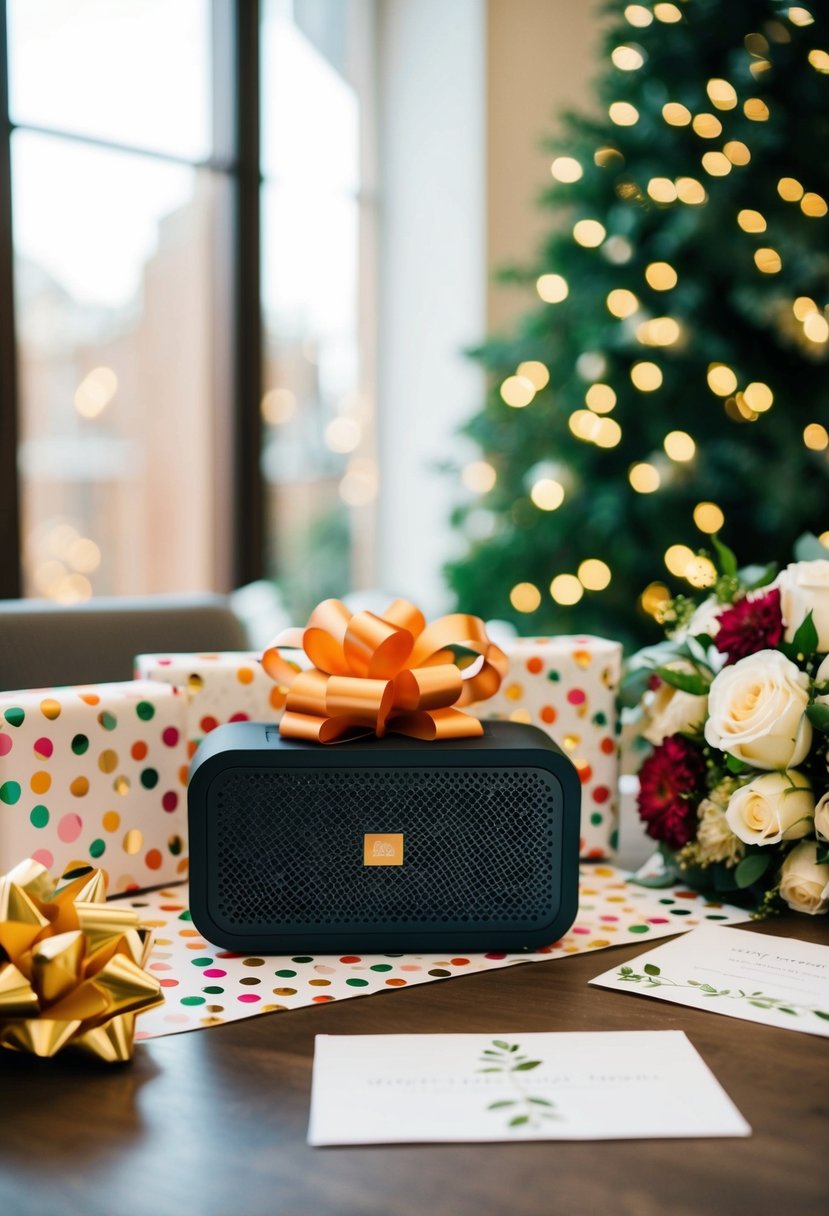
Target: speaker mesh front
(481, 847)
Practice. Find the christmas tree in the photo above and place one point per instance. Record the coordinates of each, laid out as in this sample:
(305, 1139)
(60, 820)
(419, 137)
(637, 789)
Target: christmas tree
(670, 382)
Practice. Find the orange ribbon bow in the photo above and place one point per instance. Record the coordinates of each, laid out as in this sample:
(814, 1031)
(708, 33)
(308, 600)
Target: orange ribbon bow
(393, 672)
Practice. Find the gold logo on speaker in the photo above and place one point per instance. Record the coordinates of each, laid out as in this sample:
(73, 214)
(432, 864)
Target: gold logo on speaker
(383, 849)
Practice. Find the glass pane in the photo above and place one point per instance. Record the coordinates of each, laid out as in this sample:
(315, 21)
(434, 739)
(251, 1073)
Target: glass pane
(317, 457)
(121, 376)
(310, 111)
(133, 72)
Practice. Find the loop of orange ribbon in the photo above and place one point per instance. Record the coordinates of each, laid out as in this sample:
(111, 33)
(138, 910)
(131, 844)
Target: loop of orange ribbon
(379, 673)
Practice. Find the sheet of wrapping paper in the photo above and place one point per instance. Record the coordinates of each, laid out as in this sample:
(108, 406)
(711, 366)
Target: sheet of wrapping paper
(205, 986)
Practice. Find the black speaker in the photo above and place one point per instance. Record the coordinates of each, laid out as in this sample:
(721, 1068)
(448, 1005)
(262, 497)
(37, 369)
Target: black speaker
(382, 845)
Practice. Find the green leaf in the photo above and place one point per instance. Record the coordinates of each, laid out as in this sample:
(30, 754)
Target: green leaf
(691, 682)
(501, 1045)
(785, 1009)
(733, 764)
(526, 1066)
(750, 869)
(763, 579)
(625, 971)
(805, 639)
(652, 969)
(501, 1104)
(820, 1014)
(519, 1120)
(540, 1102)
(818, 715)
(490, 1070)
(708, 989)
(514, 1047)
(727, 558)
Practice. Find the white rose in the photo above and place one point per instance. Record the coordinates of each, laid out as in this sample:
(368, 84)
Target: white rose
(716, 840)
(804, 588)
(756, 711)
(771, 808)
(671, 711)
(822, 818)
(803, 883)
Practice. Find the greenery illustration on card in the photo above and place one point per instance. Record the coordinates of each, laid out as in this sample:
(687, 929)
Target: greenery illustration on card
(652, 977)
(523, 1109)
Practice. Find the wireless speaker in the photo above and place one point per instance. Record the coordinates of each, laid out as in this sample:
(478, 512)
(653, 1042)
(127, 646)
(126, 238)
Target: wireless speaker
(382, 845)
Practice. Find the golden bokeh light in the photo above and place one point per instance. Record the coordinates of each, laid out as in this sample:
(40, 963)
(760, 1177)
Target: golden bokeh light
(638, 15)
(819, 60)
(584, 424)
(95, 392)
(678, 558)
(690, 191)
(721, 379)
(758, 396)
(708, 517)
(658, 331)
(662, 190)
(707, 126)
(799, 16)
(589, 233)
(566, 169)
(716, 164)
(566, 589)
(654, 598)
(813, 205)
(552, 288)
(721, 94)
(359, 486)
(342, 434)
(816, 327)
(627, 58)
(608, 434)
(278, 406)
(790, 189)
(594, 575)
(679, 445)
(644, 477)
(600, 398)
(737, 152)
(767, 261)
(751, 221)
(517, 391)
(535, 372)
(756, 110)
(623, 114)
(621, 302)
(667, 13)
(661, 276)
(525, 597)
(701, 572)
(676, 114)
(646, 376)
(816, 437)
(547, 494)
(802, 306)
(608, 158)
(478, 476)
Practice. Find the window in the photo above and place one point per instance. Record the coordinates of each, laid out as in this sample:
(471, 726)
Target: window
(144, 380)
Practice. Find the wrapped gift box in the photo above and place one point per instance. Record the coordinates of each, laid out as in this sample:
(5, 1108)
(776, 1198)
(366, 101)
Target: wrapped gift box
(96, 774)
(567, 686)
(217, 688)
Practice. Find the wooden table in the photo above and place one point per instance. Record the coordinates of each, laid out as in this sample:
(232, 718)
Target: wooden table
(214, 1121)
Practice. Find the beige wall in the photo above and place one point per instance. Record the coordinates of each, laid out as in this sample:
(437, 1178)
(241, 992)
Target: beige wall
(542, 56)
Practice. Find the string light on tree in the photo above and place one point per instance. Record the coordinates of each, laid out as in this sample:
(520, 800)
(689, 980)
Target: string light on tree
(646, 376)
(816, 437)
(479, 476)
(525, 597)
(566, 169)
(644, 477)
(552, 288)
(708, 517)
(566, 589)
(679, 446)
(517, 391)
(536, 372)
(661, 276)
(594, 574)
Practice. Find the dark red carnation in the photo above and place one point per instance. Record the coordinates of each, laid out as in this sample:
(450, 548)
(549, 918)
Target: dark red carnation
(671, 783)
(750, 625)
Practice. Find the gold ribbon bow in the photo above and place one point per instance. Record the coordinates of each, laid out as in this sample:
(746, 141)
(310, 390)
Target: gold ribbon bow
(71, 966)
(393, 672)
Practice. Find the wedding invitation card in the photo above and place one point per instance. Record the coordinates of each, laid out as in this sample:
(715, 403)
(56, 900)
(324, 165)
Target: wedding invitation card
(409, 1088)
(774, 980)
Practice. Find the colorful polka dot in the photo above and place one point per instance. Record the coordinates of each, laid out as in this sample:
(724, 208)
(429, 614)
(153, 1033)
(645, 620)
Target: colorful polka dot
(6, 746)
(69, 828)
(170, 736)
(79, 787)
(145, 710)
(14, 715)
(50, 708)
(139, 750)
(107, 720)
(42, 748)
(40, 782)
(39, 816)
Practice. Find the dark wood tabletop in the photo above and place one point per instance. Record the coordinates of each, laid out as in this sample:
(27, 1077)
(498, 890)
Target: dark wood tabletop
(214, 1121)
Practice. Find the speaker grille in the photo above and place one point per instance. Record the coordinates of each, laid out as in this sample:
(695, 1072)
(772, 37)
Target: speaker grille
(481, 848)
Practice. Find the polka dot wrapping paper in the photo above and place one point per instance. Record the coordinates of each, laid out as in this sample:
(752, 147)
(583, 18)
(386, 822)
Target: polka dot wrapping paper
(567, 686)
(95, 774)
(204, 986)
(230, 686)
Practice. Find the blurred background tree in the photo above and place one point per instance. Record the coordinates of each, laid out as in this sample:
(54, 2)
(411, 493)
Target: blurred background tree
(671, 381)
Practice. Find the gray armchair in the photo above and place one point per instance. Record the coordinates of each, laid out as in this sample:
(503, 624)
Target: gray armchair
(44, 644)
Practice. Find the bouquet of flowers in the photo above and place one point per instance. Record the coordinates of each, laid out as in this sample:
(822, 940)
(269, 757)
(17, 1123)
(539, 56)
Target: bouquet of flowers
(736, 787)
